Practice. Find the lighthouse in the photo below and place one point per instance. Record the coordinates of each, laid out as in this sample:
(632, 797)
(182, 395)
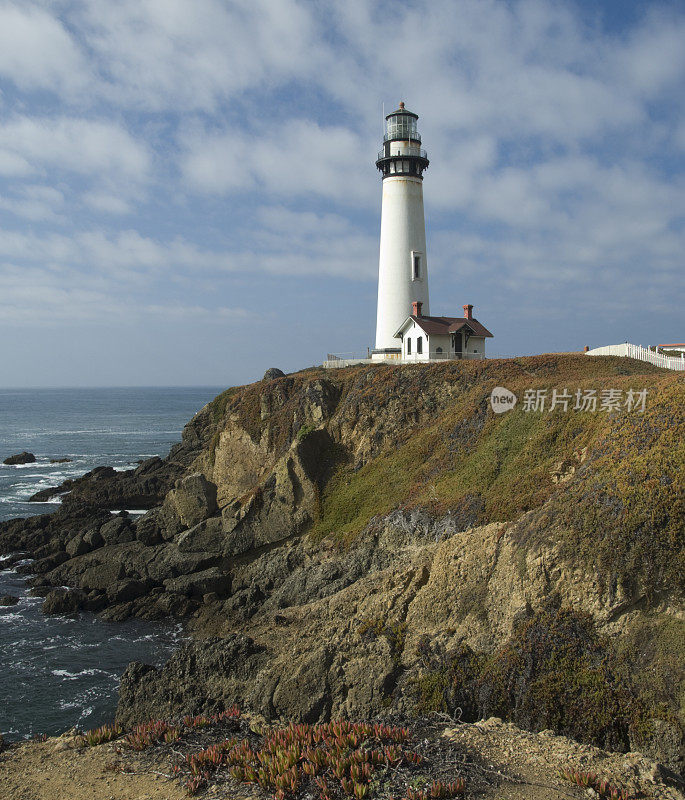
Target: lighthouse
(402, 266)
(406, 333)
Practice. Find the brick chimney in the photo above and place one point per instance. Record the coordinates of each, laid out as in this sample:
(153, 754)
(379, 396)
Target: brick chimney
(468, 312)
(416, 308)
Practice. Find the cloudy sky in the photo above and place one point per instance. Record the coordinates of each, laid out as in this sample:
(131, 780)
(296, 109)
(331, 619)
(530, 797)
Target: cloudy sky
(188, 192)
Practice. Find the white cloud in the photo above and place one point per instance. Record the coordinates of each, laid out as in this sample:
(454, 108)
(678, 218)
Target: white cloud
(555, 150)
(35, 202)
(13, 165)
(295, 158)
(107, 203)
(160, 54)
(652, 58)
(83, 146)
(37, 52)
(41, 296)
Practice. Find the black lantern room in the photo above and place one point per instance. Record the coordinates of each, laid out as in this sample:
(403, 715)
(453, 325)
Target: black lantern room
(402, 153)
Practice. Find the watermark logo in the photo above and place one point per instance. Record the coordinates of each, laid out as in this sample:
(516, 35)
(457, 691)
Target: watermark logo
(592, 400)
(502, 400)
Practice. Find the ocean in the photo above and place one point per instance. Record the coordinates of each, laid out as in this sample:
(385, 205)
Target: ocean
(58, 672)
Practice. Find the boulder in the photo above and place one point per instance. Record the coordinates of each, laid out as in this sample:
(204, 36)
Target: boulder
(193, 498)
(201, 583)
(118, 530)
(63, 601)
(93, 539)
(8, 600)
(60, 460)
(176, 605)
(107, 488)
(20, 458)
(124, 591)
(205, 537)
(78, 546)
(44, 565)
(148, 530)
(272, 373)
(102, 576)
(168, 562)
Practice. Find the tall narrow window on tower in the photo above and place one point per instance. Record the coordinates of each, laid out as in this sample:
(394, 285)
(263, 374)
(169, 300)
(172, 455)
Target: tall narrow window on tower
(415, 266)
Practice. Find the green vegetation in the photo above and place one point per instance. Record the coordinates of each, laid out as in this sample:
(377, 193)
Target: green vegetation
(462, 458)
(304, 431)
(652, 656)
(555, 672)
(625, 512)
(588, 780)
(393, 632)
(220, 403)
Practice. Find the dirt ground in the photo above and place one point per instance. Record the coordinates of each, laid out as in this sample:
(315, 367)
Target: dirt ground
(53, 770)
(498, 760)
(519, 765)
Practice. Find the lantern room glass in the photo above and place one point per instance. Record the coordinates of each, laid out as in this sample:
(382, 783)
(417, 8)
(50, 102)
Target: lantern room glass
(401, 126)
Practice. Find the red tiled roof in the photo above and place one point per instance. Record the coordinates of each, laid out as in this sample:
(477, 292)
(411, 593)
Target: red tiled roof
(438, 325)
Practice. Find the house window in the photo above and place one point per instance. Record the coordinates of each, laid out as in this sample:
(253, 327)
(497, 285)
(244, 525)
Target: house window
(438, 349)
(408, 346)
(415, 266)
(419, 344)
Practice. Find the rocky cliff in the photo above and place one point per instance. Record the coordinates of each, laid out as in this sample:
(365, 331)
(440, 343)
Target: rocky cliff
(374, 540)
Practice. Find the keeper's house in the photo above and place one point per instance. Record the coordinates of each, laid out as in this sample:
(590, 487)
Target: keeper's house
(436, 338)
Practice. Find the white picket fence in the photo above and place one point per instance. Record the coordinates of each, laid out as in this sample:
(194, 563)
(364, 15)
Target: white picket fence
(641, 353)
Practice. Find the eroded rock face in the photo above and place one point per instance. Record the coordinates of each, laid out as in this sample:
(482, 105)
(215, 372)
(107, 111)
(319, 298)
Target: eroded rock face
(339, 631)
(310, 630)
(227, 666)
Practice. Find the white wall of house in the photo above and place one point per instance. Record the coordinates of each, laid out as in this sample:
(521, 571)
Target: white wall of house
(475, 347)
(411, 334)
(437, 346)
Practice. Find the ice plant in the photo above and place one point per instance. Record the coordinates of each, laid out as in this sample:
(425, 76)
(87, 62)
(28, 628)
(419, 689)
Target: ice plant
(302, 755)
(105, 733)
(592, 781)
(149, 733)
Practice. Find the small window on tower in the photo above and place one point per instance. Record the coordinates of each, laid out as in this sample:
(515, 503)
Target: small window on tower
(416, 266)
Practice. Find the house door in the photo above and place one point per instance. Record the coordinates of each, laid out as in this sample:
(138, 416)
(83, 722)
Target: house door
(457, 339)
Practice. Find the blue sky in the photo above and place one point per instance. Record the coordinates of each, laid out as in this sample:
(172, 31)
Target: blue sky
(188, 192)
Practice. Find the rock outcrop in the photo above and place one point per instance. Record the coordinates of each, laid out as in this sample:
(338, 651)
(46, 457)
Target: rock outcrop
(20, 458)
(372, 540)
(8, 600)
(273, 373)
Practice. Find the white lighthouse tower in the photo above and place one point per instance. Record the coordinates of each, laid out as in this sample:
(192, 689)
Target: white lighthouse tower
(402, 268)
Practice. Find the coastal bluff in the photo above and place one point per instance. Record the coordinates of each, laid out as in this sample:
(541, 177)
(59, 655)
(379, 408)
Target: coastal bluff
(373, 541)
